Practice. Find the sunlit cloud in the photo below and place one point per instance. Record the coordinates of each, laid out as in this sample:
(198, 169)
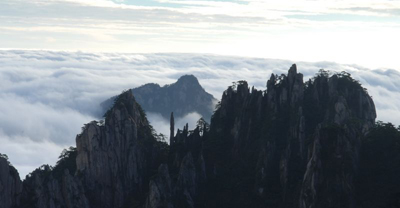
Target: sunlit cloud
(352, 32)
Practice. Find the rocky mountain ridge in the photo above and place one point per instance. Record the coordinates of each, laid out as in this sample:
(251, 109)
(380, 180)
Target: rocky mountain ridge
(297, 144)
(184, 96)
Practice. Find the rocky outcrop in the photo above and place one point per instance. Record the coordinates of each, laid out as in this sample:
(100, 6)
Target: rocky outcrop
(264, 133)
(10, 184)
(180, 182)
(42, 189)
(111, 166)
(160, 190)
(378, 181)
(183, 97)
(334, 152)
(115, 160)
(296, 145)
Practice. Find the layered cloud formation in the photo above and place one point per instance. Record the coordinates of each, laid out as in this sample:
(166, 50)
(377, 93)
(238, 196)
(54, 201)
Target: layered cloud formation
(347, 31)
(46, 97)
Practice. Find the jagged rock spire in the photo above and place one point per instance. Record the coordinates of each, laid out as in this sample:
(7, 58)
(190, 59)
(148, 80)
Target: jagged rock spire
(187, 127)
(172, 127)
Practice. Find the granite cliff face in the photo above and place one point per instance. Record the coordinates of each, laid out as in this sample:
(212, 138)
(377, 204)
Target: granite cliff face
(10, 184)
(295, 145)
(115, 160)
(304, 145)
(182, 97)
(335, 149)
(181, 182)
(160, 190)
(43, 189)
(111, 166)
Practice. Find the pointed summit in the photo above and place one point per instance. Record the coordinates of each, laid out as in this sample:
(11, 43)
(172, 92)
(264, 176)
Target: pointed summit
(114, 158)
(293, 69)
(188, 79)
(125, 102)
(182, 97)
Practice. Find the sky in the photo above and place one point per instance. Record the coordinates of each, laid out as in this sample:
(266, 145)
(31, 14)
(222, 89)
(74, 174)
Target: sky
(363, 32)
(60, 58)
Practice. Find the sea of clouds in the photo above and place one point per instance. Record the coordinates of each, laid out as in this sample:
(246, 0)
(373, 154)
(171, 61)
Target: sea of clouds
(46, 96)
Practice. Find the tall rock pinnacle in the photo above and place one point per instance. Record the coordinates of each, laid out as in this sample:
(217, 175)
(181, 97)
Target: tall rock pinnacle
(172, 127)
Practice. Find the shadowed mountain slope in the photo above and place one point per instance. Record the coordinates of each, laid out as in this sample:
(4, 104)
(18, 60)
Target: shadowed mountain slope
(298, 144)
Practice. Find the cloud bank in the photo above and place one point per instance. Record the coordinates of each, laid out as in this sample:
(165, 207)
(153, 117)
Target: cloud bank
(47, 96)
(352, 31)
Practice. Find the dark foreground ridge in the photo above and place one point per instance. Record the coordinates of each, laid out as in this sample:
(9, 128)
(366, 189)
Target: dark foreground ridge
(182, 97)
(295, 145)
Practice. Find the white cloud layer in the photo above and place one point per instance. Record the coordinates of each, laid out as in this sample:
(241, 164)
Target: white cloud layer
(46, 97)
(364, 32)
